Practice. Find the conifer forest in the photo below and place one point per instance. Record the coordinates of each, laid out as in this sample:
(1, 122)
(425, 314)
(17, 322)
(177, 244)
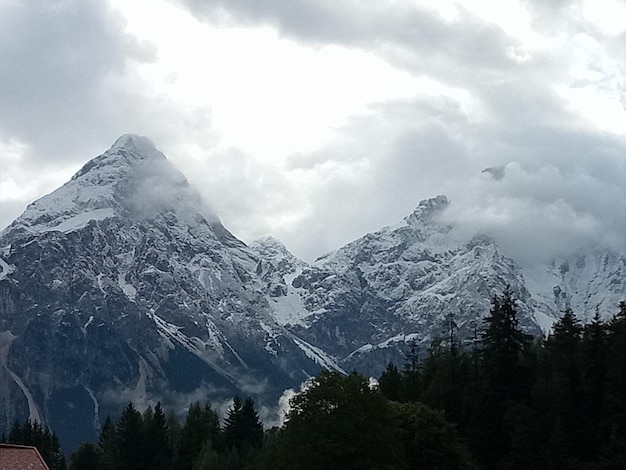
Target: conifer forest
(499, 400)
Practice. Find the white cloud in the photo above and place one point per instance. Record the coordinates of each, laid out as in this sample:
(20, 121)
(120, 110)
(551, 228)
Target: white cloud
(319, 121)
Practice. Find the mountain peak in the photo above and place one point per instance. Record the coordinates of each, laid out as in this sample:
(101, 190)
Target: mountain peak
(425, 210)
(125, 151)
(132, 175)
(270, 247)
(136, 146)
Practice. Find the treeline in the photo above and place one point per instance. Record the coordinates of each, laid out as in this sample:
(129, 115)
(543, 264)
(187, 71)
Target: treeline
(520, 402)
(338, 422)
(153, 441)
(503, 401)
(32, 433)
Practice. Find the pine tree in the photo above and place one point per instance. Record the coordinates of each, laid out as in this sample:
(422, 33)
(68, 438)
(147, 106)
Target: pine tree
(614, 416)
(130, 442)
(86, 457)
(563, 378)
(33, 433)
(593, 379)
(108, 445)
(391, 384)
(338, 422)
(506, 376)
(157, 449)
(503, 348)
(201, 428)
(412, 373)
(242, 426)
(427, 440)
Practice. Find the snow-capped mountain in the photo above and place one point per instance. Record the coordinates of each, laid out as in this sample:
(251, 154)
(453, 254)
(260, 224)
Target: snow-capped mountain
(122, 285)
(410, 282)
(589, 280)
(404, 283)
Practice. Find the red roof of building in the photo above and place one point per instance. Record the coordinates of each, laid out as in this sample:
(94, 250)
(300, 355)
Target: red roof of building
(14, 457)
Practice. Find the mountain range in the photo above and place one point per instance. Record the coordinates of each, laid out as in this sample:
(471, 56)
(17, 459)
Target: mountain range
(123, 285)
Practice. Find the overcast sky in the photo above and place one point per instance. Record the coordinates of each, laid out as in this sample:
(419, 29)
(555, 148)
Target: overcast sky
(317, 121)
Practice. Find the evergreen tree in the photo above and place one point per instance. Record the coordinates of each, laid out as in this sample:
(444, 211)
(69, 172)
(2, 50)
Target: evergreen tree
(157, 448)
(32, 433)
(338, 422)
(242, 426)
(593, 379)
(506, 377)
(86, 457)
(428, 440)
(108, 445)
(412, 373)
(614, 446)
(563, 379)
(201, 428)
(448, 383)
(503, 348)
(130, 442)
(174, 437)
(391, 384)
(209, 459)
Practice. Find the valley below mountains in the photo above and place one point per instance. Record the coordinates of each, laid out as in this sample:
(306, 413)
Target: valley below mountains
(123, 285)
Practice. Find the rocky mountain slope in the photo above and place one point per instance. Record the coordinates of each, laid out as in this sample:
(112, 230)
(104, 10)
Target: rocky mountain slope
(411, 282)
(121, 285)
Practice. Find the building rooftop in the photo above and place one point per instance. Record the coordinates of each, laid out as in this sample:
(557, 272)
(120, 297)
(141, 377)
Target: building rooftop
(16, 457)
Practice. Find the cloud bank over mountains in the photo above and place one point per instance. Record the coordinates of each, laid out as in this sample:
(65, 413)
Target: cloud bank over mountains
(319, 121)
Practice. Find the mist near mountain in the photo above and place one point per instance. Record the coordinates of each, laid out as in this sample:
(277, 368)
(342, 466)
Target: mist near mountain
(123, 285)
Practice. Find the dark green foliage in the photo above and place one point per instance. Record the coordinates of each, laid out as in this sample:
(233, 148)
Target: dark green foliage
(338, 422)
(108, 445)
(86, 457)
(242, 426)
(552, 404)
(201, 430)
(502, 350)
(615, 391)
(503, 403)
(392, 384)
(32, 433)
(156, 447)
(130, 442)
(428, 440)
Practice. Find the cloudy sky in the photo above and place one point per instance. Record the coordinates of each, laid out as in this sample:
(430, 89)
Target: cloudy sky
(317, 121)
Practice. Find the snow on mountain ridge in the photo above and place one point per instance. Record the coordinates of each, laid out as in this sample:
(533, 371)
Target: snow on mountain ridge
(132, 177)
(589, 280)
(125, 266)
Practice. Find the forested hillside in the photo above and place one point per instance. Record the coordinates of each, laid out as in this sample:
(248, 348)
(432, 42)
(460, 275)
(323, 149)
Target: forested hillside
(502, 401)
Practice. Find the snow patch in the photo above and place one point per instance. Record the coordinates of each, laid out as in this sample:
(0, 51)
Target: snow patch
(317, 355)
(128, 289)
(5, 269)
(96, 408)
(84, 328)
(389, 342)
(6, 338)
(79, 221)
(544, 321)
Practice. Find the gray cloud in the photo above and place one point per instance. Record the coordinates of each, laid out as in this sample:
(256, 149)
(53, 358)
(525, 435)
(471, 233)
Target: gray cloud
(72, 88)
(57, 58)
(69, 88)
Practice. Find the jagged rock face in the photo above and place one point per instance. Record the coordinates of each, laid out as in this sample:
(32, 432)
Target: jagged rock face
(589, 280)
(365, 301)
(406, 283)
(121, 285)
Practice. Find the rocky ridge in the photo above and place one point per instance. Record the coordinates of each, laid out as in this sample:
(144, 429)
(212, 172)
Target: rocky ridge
(123, 285)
